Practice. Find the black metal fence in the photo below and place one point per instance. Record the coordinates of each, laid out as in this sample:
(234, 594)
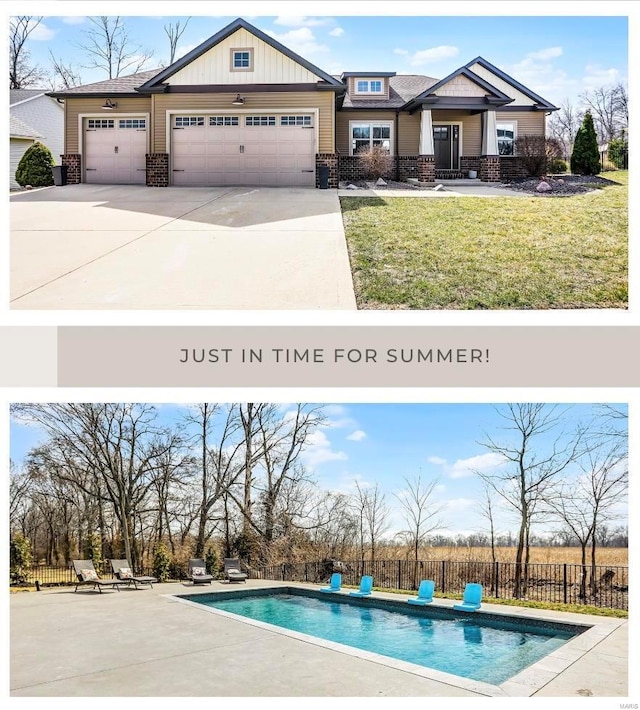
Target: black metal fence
(559, 583)
(607, 164)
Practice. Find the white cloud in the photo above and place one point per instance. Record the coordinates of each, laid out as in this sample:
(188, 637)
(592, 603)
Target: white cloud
(357, 435)
(537, 71)
(298, 21)
(319, 450)
(463, 468)
(596, 76)
(74, 20)
(186, 48)
(545, 54)
(460, 504)
(302, 41)
(401, 52)
(434, 54)
(437, 460)
(42, 33)
(337, 32)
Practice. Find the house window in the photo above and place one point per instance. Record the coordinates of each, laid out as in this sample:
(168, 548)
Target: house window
(295, 120)
(132, 123)
(184, 121)
(94, 123)
(506, 138)
(366, 135)
(223, 120)
(242, 59)
(373, 86)
(260, 121)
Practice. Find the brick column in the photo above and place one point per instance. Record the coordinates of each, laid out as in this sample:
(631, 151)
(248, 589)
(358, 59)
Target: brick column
(490, 168)
(157, 169)
(427, 168)
(73, 162)
(329, 160)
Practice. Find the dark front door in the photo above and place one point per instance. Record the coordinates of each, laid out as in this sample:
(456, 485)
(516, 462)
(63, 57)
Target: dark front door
(446, 141)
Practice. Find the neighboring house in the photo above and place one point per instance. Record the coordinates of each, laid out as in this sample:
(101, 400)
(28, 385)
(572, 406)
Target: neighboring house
(21, 137)
(44, 114)
(242, 109)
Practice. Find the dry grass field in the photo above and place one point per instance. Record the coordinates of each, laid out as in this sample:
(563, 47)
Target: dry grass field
(612, 556)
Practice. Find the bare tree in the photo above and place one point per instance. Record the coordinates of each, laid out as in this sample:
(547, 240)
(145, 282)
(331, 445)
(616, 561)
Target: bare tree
(421, 513)
(486, 510)
(530, 468)
(374, 515)
(22, 73)
(109, 48)
(563, 125)
(609, 107)
(20, 484)
(175, 30)
(63, 76)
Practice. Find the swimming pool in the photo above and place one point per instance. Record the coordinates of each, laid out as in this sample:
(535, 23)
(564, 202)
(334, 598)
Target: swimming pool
(483, 647)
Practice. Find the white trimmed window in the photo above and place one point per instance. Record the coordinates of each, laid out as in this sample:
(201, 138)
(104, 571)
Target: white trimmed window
(260, 121)
(506, 138)
(366, 135)
(94, 123)
(184, 121)
(242, 59)
(224, 121)
(368, 86)
(295, 120)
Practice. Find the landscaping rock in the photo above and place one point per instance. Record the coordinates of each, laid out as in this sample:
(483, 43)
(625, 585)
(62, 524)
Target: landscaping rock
(438, 187)
(351, 186)
(380, 182)
(544, 187)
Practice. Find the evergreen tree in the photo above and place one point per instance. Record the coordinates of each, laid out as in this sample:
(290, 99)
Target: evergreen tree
(585, 159)
(35, 166)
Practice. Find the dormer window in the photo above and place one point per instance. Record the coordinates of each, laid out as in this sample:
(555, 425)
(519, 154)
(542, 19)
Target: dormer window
(242, 59)
(368, 86)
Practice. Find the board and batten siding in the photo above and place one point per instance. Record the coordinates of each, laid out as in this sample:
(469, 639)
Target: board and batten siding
(270, 66)
(530, 123)
(74, 107)
(17, 148)
(260, 103)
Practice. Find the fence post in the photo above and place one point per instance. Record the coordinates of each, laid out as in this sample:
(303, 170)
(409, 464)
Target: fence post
(495, 580)
(443, 590)
(564, 581)
(284, 573)
(306, 571)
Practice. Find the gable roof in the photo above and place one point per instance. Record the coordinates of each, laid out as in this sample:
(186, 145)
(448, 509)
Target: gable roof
(402, 88)
(109, 87)
(541, 103)
(154, 84)
(19, 129)
(18, 96)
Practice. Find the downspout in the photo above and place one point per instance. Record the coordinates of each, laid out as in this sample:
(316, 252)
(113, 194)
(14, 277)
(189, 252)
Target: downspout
(396, 142)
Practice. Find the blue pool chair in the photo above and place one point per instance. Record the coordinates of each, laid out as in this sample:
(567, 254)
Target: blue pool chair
(366, 585)
(334, 584)
(425, 593)
(471, 598)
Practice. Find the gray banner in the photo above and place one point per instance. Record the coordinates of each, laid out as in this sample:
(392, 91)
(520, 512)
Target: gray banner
(368, 356)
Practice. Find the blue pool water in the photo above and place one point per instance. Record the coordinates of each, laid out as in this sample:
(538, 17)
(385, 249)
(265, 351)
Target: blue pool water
(487, 650)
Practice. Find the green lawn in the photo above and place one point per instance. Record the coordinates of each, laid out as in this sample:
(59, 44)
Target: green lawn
(490, 252)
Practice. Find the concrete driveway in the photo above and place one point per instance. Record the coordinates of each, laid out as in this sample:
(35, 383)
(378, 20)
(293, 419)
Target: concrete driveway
(116, 247)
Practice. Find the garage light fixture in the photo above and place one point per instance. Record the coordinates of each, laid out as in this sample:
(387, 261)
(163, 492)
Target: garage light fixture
(238, 101)
(109, 104)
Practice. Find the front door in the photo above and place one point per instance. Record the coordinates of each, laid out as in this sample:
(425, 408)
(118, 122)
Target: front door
(446, 141)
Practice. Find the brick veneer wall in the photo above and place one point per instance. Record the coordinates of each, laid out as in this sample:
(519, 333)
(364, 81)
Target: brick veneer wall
(470, 162)
(73, 161)
(426, 168)
(329, 160)
(407, 166)
(512, 167)
(157, 169)
(490, 168)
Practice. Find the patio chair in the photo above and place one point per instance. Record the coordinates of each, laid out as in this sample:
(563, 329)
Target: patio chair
(198, 572)
(122, 570)
(232, 571)
(334, 584)
(425, 593)
(471, 599)
(86, 574)
(366, 585)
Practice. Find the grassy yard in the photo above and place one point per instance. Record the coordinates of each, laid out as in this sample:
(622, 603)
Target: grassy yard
(490, 252)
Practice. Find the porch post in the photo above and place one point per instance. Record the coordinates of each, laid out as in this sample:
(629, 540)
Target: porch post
(490, 160)
(426, 133)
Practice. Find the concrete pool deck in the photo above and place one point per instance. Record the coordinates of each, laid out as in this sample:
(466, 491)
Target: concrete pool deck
(142, 643)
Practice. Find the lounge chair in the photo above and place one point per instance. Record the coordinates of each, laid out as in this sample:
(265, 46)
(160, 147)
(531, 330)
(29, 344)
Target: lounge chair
(86, 574)
(198, 572)
(471, 598)
(334, 583)
(366, 585)
(232, 571)
(122, 570)
(425, 593)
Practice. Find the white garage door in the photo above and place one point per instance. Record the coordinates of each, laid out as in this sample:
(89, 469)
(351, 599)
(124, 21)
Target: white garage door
(274, 149)
(114, 150)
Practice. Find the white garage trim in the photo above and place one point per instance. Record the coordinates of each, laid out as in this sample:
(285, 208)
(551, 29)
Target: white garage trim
(315, 112)
(107, 114)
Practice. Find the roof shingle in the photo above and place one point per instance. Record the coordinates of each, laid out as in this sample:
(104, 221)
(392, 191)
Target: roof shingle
(121, 85)
(402, 88)
(19, 129)
(18, 95)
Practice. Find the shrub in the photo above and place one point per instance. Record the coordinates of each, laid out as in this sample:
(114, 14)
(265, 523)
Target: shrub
(376, 162)
(617, 152)
(161, 562)
(35, 166)
(557, 165)
(537, 152)
(93, 549)
(19, 559)
(585, 159)
(212, 561)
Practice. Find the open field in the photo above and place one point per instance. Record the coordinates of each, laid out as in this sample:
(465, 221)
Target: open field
(491, 252)
(614, 556)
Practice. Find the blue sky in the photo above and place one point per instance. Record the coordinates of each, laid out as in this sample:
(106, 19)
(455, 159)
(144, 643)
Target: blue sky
(382, 443)
(554, 56)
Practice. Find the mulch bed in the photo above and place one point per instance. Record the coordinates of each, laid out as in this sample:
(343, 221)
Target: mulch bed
(561, 185)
